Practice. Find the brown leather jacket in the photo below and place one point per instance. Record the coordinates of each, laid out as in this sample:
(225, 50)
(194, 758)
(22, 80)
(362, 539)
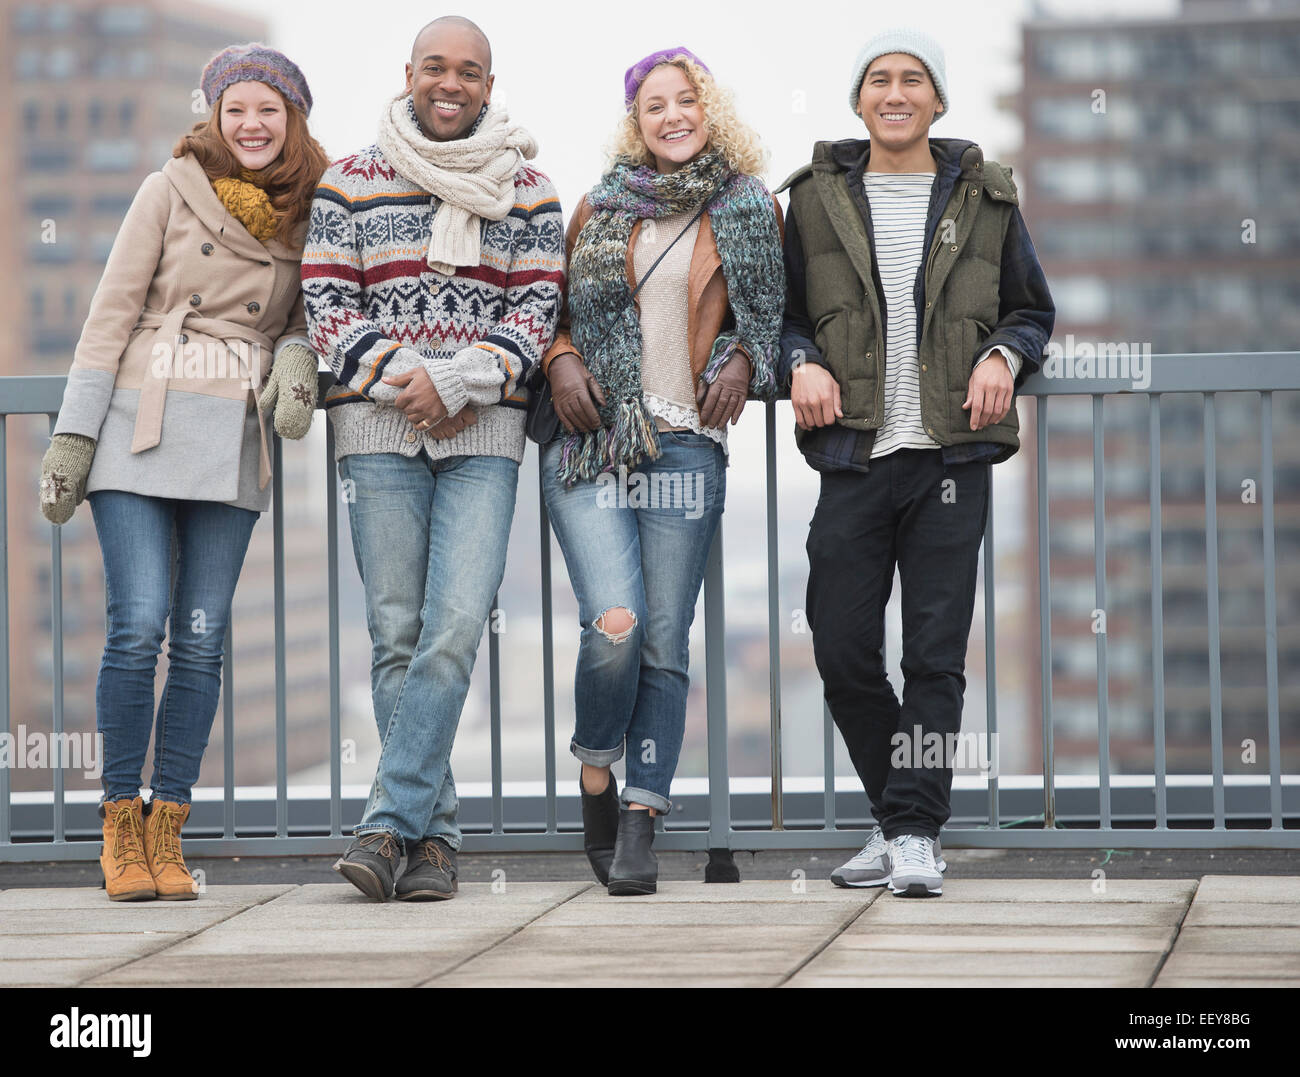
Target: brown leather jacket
(707, 308)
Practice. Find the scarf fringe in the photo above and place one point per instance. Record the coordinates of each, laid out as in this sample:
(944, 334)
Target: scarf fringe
(762, 365)
(631, 437)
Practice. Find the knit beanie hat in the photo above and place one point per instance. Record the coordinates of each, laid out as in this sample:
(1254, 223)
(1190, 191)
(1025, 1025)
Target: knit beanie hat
(636, 74)
(255, 62)
(914, 43)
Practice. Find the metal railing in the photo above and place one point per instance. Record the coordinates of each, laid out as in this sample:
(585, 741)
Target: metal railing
(1152, 811)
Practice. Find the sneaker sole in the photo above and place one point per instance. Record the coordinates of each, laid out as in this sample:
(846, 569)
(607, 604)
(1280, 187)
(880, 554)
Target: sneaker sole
(847, 885)
(363, 879)
(917, 890)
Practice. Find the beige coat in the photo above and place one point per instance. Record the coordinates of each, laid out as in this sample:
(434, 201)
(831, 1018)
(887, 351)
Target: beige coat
(180, 337)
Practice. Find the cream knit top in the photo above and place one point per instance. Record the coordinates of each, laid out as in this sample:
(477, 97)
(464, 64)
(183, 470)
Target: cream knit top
(666, 378)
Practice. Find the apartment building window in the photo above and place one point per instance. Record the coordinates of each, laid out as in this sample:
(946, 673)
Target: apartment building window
(31, 116)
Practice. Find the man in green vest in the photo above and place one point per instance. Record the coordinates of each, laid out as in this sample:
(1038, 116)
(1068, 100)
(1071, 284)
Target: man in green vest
(916, 305)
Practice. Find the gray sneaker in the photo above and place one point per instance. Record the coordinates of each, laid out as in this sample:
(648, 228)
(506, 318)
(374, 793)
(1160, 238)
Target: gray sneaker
(867, 868)
(915, 873)
(939, 861)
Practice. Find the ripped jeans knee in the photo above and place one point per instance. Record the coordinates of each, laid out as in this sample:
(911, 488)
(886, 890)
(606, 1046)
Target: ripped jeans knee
(616, 624)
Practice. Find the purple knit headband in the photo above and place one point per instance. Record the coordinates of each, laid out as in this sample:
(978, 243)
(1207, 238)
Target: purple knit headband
(255, 62)
(636, 74)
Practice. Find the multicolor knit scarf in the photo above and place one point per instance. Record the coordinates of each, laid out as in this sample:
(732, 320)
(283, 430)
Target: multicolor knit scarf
(744, 225)
(249, 204)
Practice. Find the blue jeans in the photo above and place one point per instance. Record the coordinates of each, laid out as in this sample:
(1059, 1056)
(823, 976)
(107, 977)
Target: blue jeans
(638, 541)
(430, 542)
(139, 537)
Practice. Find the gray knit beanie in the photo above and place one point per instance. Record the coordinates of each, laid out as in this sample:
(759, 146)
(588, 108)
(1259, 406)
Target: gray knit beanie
(914, 43)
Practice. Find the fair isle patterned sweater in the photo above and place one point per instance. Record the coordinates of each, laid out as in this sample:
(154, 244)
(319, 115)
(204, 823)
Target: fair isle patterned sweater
(375, 309)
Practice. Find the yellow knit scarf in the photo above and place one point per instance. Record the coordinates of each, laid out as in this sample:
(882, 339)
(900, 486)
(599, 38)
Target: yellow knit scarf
(248, 204)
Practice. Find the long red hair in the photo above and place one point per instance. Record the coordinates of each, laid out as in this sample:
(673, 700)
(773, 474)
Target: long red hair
(290, 181)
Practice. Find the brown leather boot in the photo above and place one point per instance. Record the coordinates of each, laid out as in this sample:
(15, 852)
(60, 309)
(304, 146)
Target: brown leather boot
(126, 875)
(162, 850)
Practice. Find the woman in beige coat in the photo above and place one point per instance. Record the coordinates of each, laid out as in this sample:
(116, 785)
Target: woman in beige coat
(195, 332)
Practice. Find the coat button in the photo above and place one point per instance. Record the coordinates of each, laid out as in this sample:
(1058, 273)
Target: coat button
(973, 192)
(195, 300)
(928, 304)
(435, 343)
(953, 247)
(207, 248)
(868, 355)
(924, 368)
(410, 437)
(997, 192)
(433, 287)
(184, 338)
(253, 308)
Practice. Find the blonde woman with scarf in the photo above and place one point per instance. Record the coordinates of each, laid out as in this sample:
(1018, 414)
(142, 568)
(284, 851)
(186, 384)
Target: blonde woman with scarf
(645, 387)
(195, 336)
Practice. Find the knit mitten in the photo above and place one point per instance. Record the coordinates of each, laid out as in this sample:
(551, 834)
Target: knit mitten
(64, 470)
(291, 390)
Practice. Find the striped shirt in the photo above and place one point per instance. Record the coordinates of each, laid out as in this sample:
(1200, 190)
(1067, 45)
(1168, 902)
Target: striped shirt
(899, 205)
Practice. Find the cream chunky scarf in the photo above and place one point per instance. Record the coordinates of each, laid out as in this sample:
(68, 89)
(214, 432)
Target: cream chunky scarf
(473, 177)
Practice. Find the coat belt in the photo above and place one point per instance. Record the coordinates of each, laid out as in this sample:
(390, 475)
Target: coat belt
(153, 395)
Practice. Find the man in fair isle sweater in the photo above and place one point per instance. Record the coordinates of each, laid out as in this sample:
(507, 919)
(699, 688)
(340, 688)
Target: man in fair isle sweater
(432, 280)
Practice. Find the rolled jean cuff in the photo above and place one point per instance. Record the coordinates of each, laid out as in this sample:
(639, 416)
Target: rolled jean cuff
(594, 757)
(371, 828)
(452, 841)
(632, 795)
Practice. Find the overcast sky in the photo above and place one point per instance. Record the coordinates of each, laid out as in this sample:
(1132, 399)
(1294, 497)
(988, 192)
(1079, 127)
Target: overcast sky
(559, 67)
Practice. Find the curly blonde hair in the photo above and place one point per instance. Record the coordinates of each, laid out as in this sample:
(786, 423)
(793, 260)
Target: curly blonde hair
(728, 134)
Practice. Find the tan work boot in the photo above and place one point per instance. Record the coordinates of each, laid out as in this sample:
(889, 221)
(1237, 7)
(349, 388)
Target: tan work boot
(126, 875)
(162, 850)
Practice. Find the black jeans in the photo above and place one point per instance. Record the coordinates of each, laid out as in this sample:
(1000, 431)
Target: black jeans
(911, 511)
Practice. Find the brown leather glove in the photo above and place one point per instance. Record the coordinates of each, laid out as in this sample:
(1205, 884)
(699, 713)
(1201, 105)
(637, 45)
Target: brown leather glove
(724, 400)
(575, 393)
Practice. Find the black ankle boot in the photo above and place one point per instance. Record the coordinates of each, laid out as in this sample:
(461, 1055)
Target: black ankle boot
(635, 869)
(600, 826)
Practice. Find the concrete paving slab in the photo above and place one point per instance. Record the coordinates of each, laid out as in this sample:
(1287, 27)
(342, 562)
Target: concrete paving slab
(1133, 969)
(87, 897)
(1200, 964)
(746, 890)
(908, 912)
(1005, 939)
(895, 982)
(169, 916)
(1242, 914)
(686, 953)
(117, 944)
(1029, 891)
(475, 906)
(280, 970)
(1251, 888)
(616, 911)
(1224, 982)
(337, 940)
(585, 979)
(345, 894)
(1239, 940)
(52, 971)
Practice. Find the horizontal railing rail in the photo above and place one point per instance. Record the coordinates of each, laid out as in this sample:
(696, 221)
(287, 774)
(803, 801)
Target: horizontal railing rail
(1153, 811)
